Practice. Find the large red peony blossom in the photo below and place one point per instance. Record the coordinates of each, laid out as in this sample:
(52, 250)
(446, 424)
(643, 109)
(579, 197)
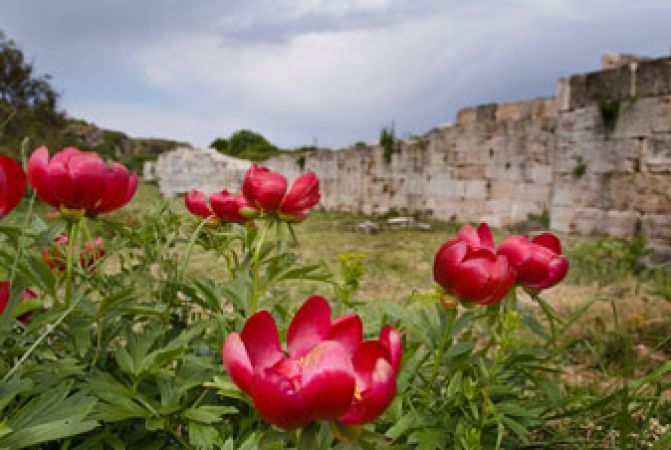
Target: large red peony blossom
(80, 180)
(56, 254)
(5, 291)
(267, 191)
(223, 206)
(12, 184)
(539, 263)
(330, 373)
(469, 268)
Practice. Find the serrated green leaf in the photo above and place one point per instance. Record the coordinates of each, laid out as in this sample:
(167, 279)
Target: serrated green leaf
(203, 437)
(208, 414)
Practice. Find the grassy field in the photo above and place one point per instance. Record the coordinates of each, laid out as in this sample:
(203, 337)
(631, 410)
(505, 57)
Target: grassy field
(625, 331)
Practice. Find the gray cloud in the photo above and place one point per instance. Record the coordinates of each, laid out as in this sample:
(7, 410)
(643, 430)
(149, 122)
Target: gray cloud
(335, 70)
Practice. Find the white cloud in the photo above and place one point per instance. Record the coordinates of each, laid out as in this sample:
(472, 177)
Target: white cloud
(333, 69)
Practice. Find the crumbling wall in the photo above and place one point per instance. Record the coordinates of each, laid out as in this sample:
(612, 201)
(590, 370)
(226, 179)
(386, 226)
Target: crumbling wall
(494, 164)
(209, 171)
(615, 178)
(597, 157)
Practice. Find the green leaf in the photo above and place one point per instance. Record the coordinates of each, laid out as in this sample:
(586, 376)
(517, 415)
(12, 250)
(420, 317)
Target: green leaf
(125, 361)
(203, 436)
(51, 431)
(208, 414)
(116, 401)
(250, 443)
(459, 349)
(515, 427)
(455, 385)
(226, 388)
(51, 416)
(155, 423)
(12, 388)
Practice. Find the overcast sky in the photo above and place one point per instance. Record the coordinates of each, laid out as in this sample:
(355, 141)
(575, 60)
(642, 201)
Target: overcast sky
(334, 71)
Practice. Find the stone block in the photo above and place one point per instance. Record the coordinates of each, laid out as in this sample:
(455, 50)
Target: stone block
(656, 154)
(653, 78)
(648, 193)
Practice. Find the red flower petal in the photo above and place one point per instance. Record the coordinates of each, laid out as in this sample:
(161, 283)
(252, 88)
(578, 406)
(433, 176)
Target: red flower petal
(448, 257)
(264, 189)
(376, 384)
(309, 327)
(65, 155)
(558, 269)
(390, 338)
(548, 240)
(130, 190)
(278, 401)
(12, 184)
(516, 249)
(196, 204)
(501, 281)
(228, 207)
(472, 278)
(60, 184)
(328, 380)
(4, 295)
(347, 331)
(88, 175)
(480, 238)
(260, 338)
(485, 236)
(237, 362)
(38, 176)
(116, 185)
(303, 195)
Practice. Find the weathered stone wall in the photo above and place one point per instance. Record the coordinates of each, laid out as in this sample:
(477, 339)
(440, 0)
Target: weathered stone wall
(183, 169)
(615, 181)
(495, 164)
(502, 162)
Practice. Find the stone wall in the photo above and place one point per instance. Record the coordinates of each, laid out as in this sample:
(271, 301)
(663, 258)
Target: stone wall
(208, 170)
(618, 180)
(503, 162)
(494, 164)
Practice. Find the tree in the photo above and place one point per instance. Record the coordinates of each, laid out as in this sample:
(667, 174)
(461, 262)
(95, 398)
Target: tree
(246, 144)
(19, 86)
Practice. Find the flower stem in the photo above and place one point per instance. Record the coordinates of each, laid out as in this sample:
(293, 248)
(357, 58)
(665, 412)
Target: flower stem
(50, 328)
(72, 238)
(442, 347)
(19, 247)
(256, 267)
(189, 249)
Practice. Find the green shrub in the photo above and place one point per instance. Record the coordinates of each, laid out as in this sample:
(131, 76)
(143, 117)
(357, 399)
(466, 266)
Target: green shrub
(606, 259)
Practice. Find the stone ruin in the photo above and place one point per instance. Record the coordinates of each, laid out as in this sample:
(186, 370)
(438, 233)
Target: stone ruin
(596, 157)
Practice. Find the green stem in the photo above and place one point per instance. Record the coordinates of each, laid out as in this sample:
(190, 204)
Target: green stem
(179, 439)
(442, 347)
(192, 243)
(256, 267)
(43, 336)
(99, 338)
(19, 247)
(72, 238)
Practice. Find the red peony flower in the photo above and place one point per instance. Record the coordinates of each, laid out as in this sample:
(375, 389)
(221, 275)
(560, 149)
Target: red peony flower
(5, 291)
(468, 267)
(330, 373)
(223, 206)
(79, 180)
(56, 255)
(267, 191)
(12, 184)
(539, 263)
(304, 194)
